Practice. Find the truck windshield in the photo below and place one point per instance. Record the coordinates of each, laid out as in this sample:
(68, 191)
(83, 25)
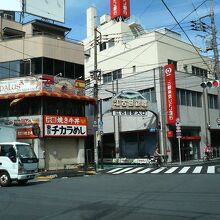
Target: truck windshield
(25, 151)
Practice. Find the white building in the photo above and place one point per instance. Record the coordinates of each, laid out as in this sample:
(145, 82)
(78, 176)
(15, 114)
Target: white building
(131, 58)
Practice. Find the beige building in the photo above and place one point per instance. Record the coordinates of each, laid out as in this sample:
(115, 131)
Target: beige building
(41, 85)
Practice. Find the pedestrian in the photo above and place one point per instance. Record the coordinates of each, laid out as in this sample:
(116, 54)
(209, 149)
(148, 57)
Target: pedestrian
(207, 151)
(157, 155)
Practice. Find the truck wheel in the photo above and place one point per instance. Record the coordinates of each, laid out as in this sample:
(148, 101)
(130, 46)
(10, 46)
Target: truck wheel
(5, 179)
(22, 182)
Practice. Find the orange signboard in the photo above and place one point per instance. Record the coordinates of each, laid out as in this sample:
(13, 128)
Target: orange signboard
(25, 133)
(64, 126)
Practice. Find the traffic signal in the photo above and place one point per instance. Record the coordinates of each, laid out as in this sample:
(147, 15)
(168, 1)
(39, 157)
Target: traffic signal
(210, 84)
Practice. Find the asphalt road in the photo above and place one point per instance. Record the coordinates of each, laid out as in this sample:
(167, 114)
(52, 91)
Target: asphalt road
(115, 197)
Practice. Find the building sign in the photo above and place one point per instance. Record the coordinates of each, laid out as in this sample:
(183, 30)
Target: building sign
(130, 103)
(119, 8)
(62, 85)
(25, 133)
(170, 89)
(42, 85)
(24, 125)
(129, 113)
(19, 85)
(64, 126)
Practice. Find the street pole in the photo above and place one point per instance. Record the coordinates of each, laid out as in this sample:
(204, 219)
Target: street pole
(95, 90)
(180, 160)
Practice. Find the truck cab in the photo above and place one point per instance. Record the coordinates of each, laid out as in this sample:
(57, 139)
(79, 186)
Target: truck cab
(18, 162)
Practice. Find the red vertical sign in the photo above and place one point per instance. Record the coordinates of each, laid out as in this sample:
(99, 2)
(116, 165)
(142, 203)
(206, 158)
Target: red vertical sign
(170, 89)
(119, 8)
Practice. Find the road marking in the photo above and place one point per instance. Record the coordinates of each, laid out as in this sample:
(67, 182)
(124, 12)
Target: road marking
(197, 169)
(134, 170)
(211, 169)
(116, 169)
(171, 170)
(184, 170)
(123, 170)
(145, 170)
(158, 170)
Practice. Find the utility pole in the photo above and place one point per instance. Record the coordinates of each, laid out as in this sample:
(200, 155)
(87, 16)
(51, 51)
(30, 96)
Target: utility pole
(95, 91)
(96, 75)
(214, 43)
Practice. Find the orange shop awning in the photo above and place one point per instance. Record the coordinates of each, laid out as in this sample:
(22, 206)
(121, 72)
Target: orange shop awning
(48, 94)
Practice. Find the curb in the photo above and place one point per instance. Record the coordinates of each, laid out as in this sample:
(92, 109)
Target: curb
(91, 172)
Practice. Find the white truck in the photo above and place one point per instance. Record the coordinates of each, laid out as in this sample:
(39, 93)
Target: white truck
(18, 161)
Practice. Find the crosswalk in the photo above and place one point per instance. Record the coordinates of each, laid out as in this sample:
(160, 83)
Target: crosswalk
(164, 170)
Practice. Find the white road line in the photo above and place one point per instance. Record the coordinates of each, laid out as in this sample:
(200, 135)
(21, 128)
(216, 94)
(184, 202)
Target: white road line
(197, 169)
(184, 170)
(134, 170)
(123, 170)
(171, 170)
(114, 170)
(159, 170)
(145, 170)
(211, 169)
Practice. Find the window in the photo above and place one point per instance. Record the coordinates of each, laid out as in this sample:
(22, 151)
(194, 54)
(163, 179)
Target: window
(4, 70)
(58, 67)
(189, 98)
(8, 151)
(27, 106)
(48, 67)
(109, 77)
(111, 43)
(213, 101)
(36, 65)
(102, 46)
(199, 71)
(53, 106)
(14, 68)
(183, 97)
(173, 62)
(149, 94)
(194, 98)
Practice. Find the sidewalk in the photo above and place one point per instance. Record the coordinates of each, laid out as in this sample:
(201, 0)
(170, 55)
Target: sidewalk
(194, 162)
(64, 173)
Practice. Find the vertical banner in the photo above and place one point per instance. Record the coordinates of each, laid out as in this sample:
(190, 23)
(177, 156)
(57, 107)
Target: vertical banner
(170, 92)
(119, 8)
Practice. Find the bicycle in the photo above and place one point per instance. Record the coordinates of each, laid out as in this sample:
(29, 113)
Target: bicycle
(207, 157)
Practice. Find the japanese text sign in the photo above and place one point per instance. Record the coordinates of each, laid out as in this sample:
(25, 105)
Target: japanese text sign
(170, 92)
(64, 126)
(119, 8)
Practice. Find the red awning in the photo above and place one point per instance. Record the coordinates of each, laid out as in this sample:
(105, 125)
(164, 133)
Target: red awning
(48, 94)
(191, 138)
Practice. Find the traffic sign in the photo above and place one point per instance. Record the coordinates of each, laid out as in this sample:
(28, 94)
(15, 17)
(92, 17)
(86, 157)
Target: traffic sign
(178, 128)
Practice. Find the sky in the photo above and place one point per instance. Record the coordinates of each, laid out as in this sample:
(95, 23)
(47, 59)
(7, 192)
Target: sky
(149, 13)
